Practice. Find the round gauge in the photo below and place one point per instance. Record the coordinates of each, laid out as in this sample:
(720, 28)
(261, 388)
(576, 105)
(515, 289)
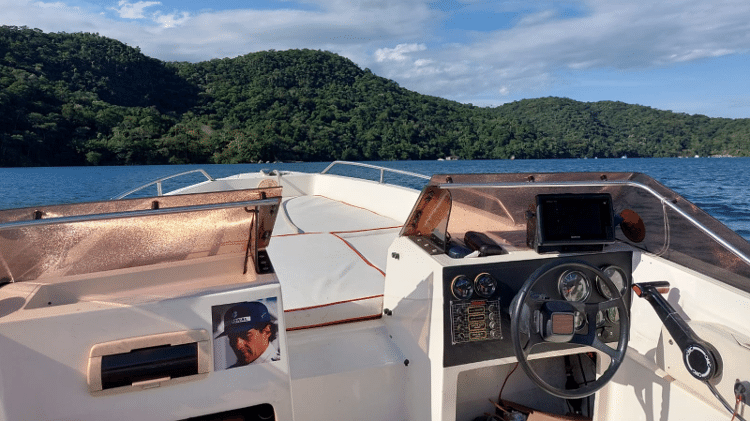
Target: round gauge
(599, 318)
(485, 285)
(613, 315)
(617, 276)
(579, 319)
(462, 287)
(574, 286)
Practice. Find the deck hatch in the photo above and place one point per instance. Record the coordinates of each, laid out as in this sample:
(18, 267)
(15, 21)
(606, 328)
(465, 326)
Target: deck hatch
(148, 361)
(149, 364)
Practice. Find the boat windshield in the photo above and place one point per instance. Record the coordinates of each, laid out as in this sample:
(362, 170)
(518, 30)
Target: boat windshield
(53, 242)
(499, 205)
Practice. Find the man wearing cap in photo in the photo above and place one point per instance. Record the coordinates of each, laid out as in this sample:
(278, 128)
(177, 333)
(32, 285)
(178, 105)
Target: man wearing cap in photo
(251, 330)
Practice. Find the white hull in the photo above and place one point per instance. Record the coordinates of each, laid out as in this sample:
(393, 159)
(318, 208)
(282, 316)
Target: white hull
(361, 314)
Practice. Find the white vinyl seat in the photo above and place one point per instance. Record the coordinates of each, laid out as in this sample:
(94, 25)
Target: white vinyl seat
(341, 278)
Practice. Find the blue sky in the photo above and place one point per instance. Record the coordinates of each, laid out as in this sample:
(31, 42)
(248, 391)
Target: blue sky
(687, 56)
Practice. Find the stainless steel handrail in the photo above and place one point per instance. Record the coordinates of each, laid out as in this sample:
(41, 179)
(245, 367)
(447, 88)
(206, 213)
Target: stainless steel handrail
(158, 183)
(135, 213)
(375, 167)
(664, 201)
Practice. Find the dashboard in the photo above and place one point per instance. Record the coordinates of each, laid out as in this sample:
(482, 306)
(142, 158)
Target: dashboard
(477, 297)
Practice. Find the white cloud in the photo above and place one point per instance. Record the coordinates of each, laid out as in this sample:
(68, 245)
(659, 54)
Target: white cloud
(399, 53)
(52, 5)
(127, 10)
(171, 20)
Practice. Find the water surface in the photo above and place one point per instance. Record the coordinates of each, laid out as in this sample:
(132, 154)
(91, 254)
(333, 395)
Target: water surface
(718, 185)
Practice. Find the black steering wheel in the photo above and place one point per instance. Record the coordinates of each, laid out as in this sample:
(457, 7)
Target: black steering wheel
(543, 319)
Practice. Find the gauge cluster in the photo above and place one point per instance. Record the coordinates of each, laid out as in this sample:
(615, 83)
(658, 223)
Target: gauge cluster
(575, 285)
(477, 298)
(483, 286)
(475, 309)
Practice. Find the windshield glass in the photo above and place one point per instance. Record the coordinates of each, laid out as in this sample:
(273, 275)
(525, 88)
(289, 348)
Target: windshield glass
(500, 205)
(50, 243)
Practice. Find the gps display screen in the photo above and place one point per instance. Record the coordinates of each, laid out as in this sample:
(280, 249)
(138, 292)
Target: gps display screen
(575, 219)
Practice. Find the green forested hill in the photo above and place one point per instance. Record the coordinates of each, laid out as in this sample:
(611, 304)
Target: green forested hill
(608, 128)
(77, 99)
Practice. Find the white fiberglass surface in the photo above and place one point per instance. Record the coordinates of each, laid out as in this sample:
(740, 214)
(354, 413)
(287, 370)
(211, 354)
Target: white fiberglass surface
(312, 214)
(330, 258)
(323, 276)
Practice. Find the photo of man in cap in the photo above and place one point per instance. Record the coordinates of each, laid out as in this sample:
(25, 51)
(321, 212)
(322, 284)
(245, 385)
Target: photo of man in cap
(251, 332)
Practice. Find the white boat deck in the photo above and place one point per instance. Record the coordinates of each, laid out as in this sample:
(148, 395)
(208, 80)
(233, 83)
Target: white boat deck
(330, 242)
(340, 278)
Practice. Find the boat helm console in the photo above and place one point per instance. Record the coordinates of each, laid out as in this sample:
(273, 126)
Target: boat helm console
(534, 266)
(513, 308)
(478, 301)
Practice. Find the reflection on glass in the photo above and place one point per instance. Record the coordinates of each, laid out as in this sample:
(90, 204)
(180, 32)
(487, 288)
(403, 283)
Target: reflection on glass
(617, 276)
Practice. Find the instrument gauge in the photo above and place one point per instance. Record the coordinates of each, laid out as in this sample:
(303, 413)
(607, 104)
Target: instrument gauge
(574, 286)
(617, 276)
(613, 315)
(600, 318)
(462, 287)
(579, 320)
(485, 285)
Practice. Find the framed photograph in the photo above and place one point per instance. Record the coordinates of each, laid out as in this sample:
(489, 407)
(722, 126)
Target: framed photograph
(245, 333)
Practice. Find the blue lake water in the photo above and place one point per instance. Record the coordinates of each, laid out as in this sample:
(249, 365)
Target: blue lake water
(718, 185)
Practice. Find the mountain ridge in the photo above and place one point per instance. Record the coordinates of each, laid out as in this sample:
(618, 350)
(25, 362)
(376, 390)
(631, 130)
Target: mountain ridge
(84, 99)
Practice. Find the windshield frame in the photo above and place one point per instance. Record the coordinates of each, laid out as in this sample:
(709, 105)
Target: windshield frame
(499, 203)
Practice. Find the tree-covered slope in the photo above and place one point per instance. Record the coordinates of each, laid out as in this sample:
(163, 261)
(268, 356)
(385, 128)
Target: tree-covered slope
(58, 92)
(608, 128)
(75, 99)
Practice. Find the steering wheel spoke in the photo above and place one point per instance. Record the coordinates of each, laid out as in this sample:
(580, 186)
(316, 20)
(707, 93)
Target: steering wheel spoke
(606, 305)
(584, 339)
(592, 340)
(534, 338)
(603, 347)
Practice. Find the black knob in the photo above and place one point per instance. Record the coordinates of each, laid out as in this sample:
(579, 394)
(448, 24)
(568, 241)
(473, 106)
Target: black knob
(700, 362)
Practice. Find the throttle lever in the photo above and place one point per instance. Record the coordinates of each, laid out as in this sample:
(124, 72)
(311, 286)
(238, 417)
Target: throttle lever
(701, 359)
